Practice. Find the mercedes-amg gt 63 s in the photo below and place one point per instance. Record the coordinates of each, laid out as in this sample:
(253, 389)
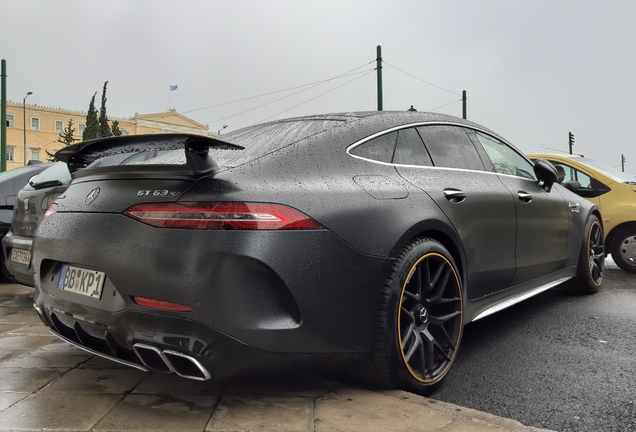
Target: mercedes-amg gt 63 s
(356, 241)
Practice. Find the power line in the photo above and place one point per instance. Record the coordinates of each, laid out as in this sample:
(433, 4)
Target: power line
(342, 75)
(549, 148)
(454, 102)
(420, 79)
(293, 94)
(316, 97)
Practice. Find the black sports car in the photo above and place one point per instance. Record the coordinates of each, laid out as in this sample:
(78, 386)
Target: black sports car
(361, 241)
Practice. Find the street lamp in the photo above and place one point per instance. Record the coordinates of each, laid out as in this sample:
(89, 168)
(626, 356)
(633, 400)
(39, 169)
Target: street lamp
(24, 118)
(219, 132)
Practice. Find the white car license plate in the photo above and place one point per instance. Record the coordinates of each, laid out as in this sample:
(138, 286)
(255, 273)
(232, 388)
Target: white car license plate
(21, 256)
(82, 281)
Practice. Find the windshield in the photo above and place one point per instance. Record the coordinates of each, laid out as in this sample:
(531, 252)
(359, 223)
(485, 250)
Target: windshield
(607, 170)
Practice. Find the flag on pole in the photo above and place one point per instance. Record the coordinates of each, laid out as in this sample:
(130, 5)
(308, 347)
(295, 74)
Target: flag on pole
(173, 87)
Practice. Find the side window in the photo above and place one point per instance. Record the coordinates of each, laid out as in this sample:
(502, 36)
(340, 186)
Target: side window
(450, 146)
(410, 149)
(574, 174)
(504, 158)
(379, 149)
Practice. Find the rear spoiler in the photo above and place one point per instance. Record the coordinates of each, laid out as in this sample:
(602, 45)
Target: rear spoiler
(196, 148)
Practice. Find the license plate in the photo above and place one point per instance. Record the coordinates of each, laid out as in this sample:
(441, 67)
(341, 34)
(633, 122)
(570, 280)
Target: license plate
(82, 281)
(21, 256)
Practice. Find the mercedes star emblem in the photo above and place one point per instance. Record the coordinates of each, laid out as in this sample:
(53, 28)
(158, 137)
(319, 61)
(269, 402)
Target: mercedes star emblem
(91, 196)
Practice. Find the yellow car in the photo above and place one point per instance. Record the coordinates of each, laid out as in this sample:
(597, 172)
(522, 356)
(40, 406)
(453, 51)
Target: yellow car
(613, 191)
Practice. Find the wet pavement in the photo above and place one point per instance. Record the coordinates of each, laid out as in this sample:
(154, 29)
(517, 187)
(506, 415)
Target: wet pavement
(47, 384)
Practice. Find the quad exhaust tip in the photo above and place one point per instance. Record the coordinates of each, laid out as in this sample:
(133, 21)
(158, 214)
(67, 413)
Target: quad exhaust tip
(170, 361)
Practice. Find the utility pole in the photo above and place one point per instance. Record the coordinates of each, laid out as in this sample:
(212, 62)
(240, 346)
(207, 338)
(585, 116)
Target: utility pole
(623, 162)
(379, 69)
(464, 104)
(3, 118)
(570, 140)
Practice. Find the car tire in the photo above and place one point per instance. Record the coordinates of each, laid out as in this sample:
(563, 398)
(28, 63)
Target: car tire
(419, 320)
(591, 264)
(623, 249)
(5, 275)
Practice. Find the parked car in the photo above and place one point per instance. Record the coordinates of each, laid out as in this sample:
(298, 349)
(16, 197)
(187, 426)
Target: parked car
(10, 183)
(32, 202)
(362, 241)
(613, 193)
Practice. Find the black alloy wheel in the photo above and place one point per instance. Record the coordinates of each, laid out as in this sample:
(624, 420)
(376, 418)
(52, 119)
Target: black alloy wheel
(420, 318)
(596, 253)
(591, 266)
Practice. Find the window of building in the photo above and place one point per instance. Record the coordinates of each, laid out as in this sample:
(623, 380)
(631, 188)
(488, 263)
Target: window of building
(10, 153)
(10, 120)
(59, 126)
(35, 154)
(150, 133)
(124, 132)
(35, 123)
(80, 129)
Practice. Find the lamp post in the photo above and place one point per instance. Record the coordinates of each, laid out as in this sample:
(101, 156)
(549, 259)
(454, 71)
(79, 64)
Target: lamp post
(219, 132)
(25, 125)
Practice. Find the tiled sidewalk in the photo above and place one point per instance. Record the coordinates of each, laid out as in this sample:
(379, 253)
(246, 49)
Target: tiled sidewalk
(46, 384)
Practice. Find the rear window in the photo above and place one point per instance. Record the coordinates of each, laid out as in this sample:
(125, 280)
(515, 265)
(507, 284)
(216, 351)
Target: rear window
(258, 141)
(56, 175)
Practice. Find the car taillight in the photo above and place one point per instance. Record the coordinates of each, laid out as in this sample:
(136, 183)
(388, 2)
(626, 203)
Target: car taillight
(51, 210)
(160, 304)
(222, 216)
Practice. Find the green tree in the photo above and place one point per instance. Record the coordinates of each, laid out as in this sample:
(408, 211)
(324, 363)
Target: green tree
(114, 127)
(104, 128)
(92, 122)
(67, 137)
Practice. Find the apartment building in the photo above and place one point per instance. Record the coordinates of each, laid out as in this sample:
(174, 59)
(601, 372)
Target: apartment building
(44, 124)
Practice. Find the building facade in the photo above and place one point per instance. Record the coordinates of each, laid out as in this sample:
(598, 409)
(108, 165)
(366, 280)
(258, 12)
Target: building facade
(44, 125)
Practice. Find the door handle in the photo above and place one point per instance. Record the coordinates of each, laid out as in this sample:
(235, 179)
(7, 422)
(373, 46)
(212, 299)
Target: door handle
(574, 207)
(524, 196)
(454, 195)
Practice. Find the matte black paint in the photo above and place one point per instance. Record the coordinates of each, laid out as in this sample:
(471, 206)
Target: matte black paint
(277, 295)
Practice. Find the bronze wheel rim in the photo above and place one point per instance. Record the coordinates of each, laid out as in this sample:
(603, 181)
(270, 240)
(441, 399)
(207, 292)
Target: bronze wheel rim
(430, 318)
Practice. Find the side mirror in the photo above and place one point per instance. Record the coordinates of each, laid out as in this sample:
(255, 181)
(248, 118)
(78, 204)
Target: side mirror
(546, 173)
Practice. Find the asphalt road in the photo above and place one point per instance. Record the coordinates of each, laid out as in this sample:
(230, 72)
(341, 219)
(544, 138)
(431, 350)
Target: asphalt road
(555, 361)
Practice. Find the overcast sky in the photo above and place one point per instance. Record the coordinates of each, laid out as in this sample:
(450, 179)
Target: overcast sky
(533, 70)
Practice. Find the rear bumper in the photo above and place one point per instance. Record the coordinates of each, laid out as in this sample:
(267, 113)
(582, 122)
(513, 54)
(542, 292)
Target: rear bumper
(144, 340)
(260, 299)
(22, 273)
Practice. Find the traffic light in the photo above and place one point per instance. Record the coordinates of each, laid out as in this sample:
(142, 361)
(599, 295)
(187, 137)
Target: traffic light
(623, 160)
(570, 140)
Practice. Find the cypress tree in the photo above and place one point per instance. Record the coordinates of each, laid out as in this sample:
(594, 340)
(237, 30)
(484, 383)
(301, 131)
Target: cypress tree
(104, 128)
(92, 122)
